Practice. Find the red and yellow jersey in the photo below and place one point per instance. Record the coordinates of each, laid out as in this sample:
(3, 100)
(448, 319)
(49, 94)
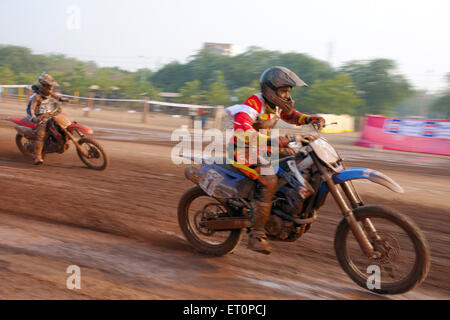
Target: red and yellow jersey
(251, 116)
(255, 114)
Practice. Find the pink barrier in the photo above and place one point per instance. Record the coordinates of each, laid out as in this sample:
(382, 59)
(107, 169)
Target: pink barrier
(423, 136)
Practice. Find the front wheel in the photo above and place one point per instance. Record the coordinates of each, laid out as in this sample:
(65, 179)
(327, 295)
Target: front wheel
(95, 157)
(402, 256)
(194, 206)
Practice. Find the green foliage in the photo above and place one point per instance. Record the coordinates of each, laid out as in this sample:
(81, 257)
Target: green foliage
(218, 93)
(244, 92)
(213, 79)
(6, 76)
(169, 77)
(190, 93)
(417, 105)
(336, 95)
(239, 71)
(441, 107)
(378, 85)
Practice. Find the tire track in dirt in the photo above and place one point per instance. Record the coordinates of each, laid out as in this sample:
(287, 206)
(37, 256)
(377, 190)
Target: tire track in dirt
(120, 226)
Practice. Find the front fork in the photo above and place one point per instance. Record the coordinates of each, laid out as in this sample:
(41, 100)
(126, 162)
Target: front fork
(347, 210)
(79, 148)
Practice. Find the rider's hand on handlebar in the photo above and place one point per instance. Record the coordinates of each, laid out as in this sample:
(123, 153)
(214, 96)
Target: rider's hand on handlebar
(316, 121)
(287, 151)
(283, 142)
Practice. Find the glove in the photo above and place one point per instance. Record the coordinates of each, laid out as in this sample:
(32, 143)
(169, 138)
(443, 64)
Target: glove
(316, 120)
(286, 152)
(283, 142)
(64, 99)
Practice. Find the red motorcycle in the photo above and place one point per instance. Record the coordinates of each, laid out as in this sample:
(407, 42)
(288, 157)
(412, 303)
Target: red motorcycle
(60, 131)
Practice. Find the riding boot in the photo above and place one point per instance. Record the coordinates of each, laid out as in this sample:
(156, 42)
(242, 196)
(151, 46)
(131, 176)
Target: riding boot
(40, 137)
(257, 240)
(38, 146)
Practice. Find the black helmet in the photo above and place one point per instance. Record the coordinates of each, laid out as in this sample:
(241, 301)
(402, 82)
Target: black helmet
(277, 77)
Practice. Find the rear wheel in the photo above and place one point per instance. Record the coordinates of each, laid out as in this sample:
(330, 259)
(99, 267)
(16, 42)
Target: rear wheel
(95, 157)
(24, 145)
(402, 258)
(194, 206)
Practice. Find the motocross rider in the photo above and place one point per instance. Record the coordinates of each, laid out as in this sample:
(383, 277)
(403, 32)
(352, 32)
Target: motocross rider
(38, 108)
(262, 111)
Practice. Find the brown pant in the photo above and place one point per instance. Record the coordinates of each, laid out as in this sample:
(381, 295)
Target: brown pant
(41, 128)
(263, 204)
(41, 131)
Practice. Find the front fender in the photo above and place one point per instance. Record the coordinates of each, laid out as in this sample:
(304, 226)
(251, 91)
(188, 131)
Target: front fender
(82, 128)
(369, 174)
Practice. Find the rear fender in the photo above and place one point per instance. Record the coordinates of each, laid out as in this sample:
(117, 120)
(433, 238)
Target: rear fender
(22, 122)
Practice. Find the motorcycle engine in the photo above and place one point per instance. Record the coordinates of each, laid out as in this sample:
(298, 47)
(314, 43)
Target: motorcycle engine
(278, 229)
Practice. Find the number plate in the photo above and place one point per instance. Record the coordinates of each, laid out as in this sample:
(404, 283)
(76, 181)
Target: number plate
(210, 182)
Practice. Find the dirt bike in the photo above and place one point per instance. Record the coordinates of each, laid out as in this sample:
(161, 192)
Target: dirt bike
(60, 131)
(369, 238)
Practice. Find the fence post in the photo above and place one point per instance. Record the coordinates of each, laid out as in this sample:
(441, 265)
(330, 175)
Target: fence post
(90, 104)
(145, 110)
(219, 117)
(76, 100)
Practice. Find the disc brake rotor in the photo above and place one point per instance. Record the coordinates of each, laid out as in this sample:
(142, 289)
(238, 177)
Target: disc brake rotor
(389, 249)
(93, 153)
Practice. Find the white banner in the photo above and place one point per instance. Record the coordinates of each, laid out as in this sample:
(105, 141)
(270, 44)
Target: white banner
(418, 128)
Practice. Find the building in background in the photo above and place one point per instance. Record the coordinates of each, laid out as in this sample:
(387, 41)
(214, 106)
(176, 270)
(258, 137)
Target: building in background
(224, 49)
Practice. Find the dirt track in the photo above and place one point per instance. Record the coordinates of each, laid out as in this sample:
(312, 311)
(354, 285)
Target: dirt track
(119, 226)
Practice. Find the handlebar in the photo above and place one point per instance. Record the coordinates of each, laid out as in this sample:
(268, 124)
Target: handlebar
(309, 137)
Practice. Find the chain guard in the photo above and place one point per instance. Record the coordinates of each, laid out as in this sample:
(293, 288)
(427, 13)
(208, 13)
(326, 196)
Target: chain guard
(207, 214)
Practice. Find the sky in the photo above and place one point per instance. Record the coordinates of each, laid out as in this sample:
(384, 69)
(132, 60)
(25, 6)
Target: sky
(134, 34)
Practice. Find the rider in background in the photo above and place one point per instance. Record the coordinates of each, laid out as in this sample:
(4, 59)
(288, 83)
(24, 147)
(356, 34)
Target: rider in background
(38, 108)
(259, 111)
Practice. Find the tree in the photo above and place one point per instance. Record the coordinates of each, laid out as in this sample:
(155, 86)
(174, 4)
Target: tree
(337, 95)
(218, 93)
(244, 92)
(6, 75)
(378, 85)
(441, 107)
(172, 77)
(190, 92)
(25, 78)
(142, 75)
(418, 105)
(239, 71)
